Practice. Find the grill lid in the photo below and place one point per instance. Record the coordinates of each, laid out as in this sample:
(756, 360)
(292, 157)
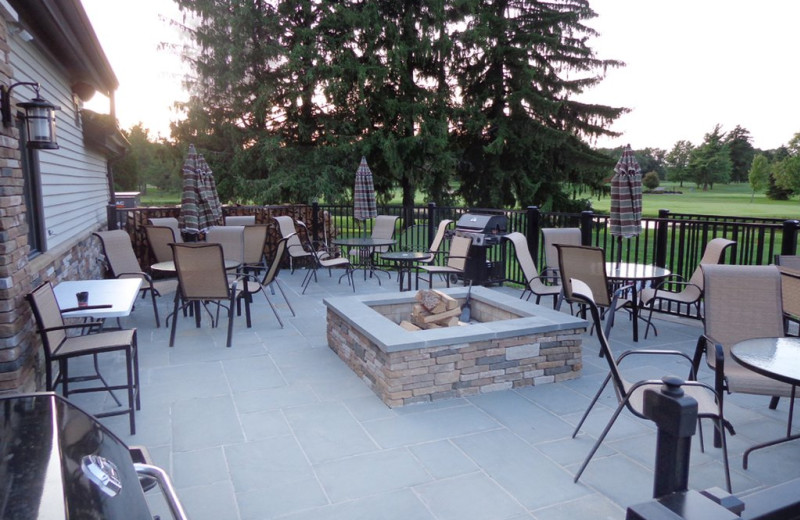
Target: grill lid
(481, 223)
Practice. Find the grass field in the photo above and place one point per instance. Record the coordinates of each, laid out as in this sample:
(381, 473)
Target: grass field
(724, 199)
(730, 199)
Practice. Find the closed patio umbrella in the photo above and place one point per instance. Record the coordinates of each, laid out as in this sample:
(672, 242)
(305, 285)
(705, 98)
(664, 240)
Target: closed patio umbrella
(626, 199)
(364, 205)
(200, 206)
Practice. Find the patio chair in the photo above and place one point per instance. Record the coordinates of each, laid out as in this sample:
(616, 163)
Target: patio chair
(588, 264)
(741, 302)
(691, 291)
(255, 239)
(789, 265)
(122, 263)
(240, 220)
(171, 223)
(551, 237)
(252, 285)
(534, 282)
(231, 238)
(202, 279)
(436, 243)
(294, 246)
(61, 348)
(159, 238)
(322, 258)
(456, 262)
(630, 395)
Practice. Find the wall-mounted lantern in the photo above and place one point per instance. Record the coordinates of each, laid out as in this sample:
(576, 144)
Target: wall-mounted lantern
(40, 117)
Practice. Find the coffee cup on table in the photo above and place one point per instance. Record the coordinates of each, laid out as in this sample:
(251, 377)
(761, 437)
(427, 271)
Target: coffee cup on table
(83, 298)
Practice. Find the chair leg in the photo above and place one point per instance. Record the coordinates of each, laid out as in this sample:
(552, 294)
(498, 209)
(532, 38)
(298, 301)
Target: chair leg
(174, 322)
(230, 320)
(278, 283)
(131, 398)
(102, 379)
(773, 402)
(601, 438)
(591, 405)
(274, 311)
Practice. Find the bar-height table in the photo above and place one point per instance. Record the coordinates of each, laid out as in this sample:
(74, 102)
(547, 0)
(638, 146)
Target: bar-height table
(635, 274)
(776, 358)
(119, 294)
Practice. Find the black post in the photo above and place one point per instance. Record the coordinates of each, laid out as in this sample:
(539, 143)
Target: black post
(432, 222)
(675, 415)
(111, 216)
(789, 244)
(315, 221)
(662, 228)
(532, 232)
(587, 223)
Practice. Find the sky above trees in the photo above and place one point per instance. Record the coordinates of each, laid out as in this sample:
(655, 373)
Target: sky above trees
(690, 65)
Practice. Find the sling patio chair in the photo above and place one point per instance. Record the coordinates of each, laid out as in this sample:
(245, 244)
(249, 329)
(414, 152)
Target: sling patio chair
(534, 282)
(436, 243)
(384, 227)
(170, 222)
(630, 395)
(231, 238)
(255, 239)
(294, 246)
(122, 263)
(454, 266)
(202, 279)
(741, 302)
(159, 238)
(253, 285)
(324, 259)
(690, 291)
(61, 348)
(240, 220)
(588, 264)
(551, 237)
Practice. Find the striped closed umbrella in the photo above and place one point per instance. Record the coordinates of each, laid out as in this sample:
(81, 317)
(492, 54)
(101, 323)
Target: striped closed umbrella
(200, 205)
(626, 196)
(364, 205)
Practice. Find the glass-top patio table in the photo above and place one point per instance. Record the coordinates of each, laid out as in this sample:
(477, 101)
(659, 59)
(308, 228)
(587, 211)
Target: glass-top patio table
(366, 247)
(635, 274)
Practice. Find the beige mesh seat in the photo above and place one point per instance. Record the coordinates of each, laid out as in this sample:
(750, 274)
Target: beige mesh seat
(252, 285)
(324, 258)
(294, 247)
(159, 238)
(454, 266)
(741, 302)
(202, 279)
(588, 264)
(630, 395)
(534, 283)
(240, 220)
(171, 223)
(255, 239)
(551, 237)
(690, 291)
(436, 243)
(231, 238)
(61, 348)
(122, 263)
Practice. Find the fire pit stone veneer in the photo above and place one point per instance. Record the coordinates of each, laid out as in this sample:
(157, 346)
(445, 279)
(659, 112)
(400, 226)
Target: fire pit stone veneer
(511, 343)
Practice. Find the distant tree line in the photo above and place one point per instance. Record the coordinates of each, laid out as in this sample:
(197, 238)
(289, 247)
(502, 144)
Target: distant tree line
(472, 99)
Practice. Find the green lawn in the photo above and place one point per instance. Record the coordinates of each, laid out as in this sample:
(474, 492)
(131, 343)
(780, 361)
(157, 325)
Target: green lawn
(730, 199)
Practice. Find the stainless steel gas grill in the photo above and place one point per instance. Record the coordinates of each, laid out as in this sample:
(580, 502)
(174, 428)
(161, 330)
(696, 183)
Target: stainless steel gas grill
(486, 230)
(58, 462)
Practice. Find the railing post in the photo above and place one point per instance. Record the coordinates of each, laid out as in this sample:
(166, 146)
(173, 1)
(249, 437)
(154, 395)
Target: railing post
(532, 231)
(789, 239)
(432, 222)
(111, 216)
(586, 227)
(675, 415)
(314, 220)
(662, 231)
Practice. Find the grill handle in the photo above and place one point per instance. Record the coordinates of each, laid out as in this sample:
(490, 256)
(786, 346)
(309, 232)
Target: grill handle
(160, 476)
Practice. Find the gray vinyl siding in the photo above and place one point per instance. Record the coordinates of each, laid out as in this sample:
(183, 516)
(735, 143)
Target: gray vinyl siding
(74, 181)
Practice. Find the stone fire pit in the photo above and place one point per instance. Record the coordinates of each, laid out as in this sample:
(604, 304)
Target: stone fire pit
(511, 343)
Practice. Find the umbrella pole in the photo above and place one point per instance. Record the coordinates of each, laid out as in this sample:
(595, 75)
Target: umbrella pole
(619, 251)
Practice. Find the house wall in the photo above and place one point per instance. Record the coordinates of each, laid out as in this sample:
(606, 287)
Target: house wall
(74, 197)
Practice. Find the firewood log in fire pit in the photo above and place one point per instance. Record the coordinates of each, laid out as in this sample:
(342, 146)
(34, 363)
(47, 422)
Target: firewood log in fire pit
(433, 309)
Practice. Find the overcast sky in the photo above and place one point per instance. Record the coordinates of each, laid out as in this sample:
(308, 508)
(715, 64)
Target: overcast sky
(690, 65)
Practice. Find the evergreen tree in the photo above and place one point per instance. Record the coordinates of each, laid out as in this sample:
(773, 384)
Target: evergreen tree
(742, 152)
(710, 162)
(677, 162)
(516, 65)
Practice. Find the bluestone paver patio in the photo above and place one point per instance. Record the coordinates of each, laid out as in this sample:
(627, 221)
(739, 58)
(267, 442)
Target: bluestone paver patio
(278, 427)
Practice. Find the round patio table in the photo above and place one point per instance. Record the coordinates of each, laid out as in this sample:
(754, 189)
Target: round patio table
(366, 247)
(404, 260)
(635, 274)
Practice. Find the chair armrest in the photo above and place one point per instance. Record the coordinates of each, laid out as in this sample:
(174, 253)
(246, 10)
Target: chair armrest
(86, 308)
(692, 372)
(137, 273)
(70, 326)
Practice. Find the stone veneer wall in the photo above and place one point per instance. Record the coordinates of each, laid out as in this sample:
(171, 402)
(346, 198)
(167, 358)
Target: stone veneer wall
(428, 374)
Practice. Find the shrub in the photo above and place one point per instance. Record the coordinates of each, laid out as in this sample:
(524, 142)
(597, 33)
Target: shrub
(650, 180)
